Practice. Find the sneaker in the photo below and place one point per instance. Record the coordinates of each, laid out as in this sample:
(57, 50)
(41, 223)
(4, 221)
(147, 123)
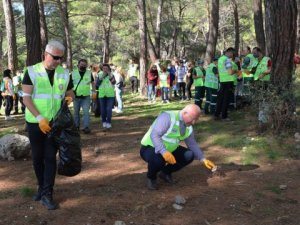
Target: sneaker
(151, 184)
(104, 125)
(119, 111)
(108, 125)
(47, 201)
(37, 197)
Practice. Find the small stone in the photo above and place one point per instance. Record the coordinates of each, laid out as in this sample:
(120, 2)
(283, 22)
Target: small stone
(119, 222)
(97, 150)
(180, 200)
(177, 207)
(31, 208)
(283, 187)
(297, 136)
(122, 155)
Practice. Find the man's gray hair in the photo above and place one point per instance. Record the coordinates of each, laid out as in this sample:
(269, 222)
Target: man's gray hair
(53, 44)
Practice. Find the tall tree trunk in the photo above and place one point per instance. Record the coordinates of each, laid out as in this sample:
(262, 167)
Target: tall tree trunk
(298, 28)
(63, 8)
(1, 49)
(107, 28)
(11, 35)
(43, 25)
(141, 5)
(151, 47)
(213, 32)
(236, 26)
(158, 27)
(259, 25)
(282, 24)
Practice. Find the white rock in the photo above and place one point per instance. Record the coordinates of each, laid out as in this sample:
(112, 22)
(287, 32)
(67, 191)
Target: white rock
(177, 207)
(119, 223)
(283, 187)
(15, 146)
(297, 136)
(180, 200)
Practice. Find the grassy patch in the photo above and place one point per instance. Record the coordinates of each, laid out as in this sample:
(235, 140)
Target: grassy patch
(26, 191)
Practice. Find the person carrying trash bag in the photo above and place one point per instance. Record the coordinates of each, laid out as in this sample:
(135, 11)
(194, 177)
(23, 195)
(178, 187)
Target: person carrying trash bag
(45, 85)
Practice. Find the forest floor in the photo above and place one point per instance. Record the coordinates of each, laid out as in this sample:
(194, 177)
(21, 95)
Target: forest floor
(112, 184)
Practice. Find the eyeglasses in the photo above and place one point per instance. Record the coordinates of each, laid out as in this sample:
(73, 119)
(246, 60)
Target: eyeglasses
(55, 57)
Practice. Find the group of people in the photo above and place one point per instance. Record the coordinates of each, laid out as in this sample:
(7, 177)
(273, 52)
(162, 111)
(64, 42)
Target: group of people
(220, 83)
(46, 84)
(11, 93)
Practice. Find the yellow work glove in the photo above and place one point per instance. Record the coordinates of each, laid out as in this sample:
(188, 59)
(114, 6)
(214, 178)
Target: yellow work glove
(169, 158)
(68, 99)
(209, 165)
(43, 124)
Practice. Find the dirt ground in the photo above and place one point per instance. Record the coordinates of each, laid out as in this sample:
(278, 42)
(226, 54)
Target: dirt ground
(112, 187)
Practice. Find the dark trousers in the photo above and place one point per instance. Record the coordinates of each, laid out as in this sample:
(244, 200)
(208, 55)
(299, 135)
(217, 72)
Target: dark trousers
(226, 88)
(199, 95)
(188, 89)
(157, 163)
(134, 84)
(43, 157)
(9, 104)
(181, 91)
(16, 103)
(211, 101)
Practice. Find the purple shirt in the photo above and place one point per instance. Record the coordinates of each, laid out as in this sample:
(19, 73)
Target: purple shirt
(161, 126)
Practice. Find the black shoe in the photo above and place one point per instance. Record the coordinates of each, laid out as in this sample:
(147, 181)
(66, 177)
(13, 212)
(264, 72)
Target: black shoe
(166, 177)
(86, 130)
(37, 196)
(47, 201)
(151, 184)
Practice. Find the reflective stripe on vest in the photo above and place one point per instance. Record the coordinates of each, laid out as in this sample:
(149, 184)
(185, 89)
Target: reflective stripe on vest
(46, 98)
(172, 137)
(84, 87)
(199, 82)
(106, 89)
(223, 73)
(262, 67)
(211, 80)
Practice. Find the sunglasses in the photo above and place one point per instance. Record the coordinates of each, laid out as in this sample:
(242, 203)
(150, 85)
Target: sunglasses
(55, 57)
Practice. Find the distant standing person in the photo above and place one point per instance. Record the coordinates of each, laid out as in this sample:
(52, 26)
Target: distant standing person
(199, 76)
(45, 85)
(17, 82)
(83, 82)
(106, 97)
(8, 93)
(133, 74)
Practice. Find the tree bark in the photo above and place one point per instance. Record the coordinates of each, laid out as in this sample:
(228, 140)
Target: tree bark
(63, 8)
(298, 28)
(43, 26)
(141, 6)
(1, 49)
(282, 25)
(11, 35)
(236, 27)
(107, 28)
(259, 25)
(158, 27)
(213, 32)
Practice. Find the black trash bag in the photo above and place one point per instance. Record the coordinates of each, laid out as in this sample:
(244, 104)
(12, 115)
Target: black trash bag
(67, 139)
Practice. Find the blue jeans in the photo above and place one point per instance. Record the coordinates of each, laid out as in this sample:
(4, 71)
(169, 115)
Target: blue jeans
(151, 92)
(157, 163)
(85, 104)
(164, 93)
(106, 105)
(119, 93)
